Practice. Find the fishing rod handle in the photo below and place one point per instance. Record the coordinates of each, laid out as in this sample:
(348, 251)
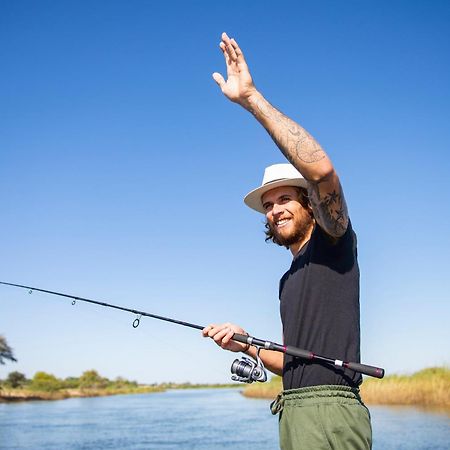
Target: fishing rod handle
(269, 345)
(372, 371)
(250, 340)
(242, 338)
(298, 352)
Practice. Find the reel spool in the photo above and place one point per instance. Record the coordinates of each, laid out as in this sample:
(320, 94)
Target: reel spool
(247, 370)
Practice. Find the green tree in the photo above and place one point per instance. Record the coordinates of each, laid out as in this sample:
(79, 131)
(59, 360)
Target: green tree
(45, 382)
(6, 352)
(16, 379)
(91, 379)
(71, 383)
(121, 382)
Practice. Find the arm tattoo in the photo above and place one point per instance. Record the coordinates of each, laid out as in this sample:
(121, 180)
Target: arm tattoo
(330, 210)
(301, 149)
(294, 141)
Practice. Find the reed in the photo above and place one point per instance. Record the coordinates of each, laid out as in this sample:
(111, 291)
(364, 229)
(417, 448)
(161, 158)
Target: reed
(428, 387)
(268, 390)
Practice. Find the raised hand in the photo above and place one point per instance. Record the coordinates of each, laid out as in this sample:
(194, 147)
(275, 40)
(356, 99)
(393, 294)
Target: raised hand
(239, 85)
(222, 334)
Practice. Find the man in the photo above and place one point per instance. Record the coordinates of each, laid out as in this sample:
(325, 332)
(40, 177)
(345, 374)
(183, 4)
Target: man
(305, 211)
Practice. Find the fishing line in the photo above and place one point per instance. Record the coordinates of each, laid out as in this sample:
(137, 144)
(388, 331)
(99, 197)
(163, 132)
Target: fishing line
(245, 370)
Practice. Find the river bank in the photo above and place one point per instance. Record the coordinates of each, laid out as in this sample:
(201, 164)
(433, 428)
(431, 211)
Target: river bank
(44, 386)
(428, 387)
(20, 395)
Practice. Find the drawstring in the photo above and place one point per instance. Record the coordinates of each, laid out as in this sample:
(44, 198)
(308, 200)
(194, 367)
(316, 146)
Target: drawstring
(277, 405)
(314, 394)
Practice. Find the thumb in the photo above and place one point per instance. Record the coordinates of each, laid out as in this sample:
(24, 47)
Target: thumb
(218, 79)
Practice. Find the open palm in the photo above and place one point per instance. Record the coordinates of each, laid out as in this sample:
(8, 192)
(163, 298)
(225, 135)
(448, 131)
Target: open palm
(239, 84)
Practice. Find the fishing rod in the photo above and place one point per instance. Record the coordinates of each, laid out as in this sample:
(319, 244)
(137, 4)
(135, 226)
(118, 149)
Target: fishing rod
(244, 370)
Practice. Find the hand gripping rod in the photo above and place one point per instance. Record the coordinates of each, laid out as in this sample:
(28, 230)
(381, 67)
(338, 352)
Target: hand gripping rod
(376, 372)
(244, 339)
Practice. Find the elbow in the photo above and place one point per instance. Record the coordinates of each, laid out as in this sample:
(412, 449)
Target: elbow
(325, 173)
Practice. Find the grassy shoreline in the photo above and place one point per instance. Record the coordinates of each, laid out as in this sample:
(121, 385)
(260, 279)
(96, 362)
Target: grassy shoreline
(21, 395)
(44, 386)
(428, 387)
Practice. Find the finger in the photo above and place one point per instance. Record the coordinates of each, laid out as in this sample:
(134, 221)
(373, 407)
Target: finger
(217, 330)
(227, 47)
(218, 338)
(228, 60)
(219, 79)
(225, 37)
(240, 58)
(236, 47)
(223, 47)
(212, 330)
(227, 337)
(205, 330)
(231, 52)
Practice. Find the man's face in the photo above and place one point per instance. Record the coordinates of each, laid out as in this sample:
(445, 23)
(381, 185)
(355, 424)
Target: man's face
(288, 220)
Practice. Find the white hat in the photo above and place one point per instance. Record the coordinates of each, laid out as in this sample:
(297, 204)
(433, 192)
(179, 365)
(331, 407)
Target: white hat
(274, 176)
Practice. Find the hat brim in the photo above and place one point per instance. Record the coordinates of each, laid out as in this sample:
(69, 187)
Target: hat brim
(253, 198)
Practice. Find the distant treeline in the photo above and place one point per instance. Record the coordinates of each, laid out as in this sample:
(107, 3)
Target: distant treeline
(45, 386)
(47, 382)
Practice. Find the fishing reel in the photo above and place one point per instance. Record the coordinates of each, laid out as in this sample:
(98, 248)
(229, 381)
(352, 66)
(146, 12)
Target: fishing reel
(247, 370)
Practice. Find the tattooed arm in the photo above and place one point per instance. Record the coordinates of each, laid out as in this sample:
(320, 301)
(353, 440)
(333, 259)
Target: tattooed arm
(296, 144)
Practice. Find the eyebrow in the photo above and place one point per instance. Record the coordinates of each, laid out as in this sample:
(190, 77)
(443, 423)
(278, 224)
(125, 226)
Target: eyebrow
(278, 199)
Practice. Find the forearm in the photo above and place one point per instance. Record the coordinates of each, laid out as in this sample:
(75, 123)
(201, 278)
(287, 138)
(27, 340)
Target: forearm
(296, 144)
(308, 157)
(272, 360)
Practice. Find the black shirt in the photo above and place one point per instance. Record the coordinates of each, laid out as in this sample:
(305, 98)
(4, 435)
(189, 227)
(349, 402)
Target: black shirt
(319, 305)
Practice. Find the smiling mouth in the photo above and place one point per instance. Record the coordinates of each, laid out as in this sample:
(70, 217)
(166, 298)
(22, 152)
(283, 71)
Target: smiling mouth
(282, 222)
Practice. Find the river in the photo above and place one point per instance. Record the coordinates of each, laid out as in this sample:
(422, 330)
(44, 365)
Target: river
(188, 419)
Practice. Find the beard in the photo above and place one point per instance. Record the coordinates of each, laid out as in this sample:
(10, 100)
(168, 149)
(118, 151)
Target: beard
(301, 226)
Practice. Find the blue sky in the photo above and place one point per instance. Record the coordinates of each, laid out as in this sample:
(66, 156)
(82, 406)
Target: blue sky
(123, 168)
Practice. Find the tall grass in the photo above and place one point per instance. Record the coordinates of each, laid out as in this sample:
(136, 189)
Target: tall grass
(428, 387)
(269, 389)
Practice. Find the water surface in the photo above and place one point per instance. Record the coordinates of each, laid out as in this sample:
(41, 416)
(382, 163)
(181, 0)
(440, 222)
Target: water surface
(188, 419)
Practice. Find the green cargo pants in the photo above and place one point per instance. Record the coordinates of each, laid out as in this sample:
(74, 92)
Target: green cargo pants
(323, 418)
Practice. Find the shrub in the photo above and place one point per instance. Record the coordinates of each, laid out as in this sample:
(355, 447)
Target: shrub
(92, 380)
(45, 382)
(16, 379)
(71, 383)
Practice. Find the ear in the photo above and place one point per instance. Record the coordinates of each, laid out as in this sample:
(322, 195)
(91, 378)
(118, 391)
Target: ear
(304, 199)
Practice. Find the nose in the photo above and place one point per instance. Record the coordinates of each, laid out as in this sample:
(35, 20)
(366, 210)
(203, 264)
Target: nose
(277, 209)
